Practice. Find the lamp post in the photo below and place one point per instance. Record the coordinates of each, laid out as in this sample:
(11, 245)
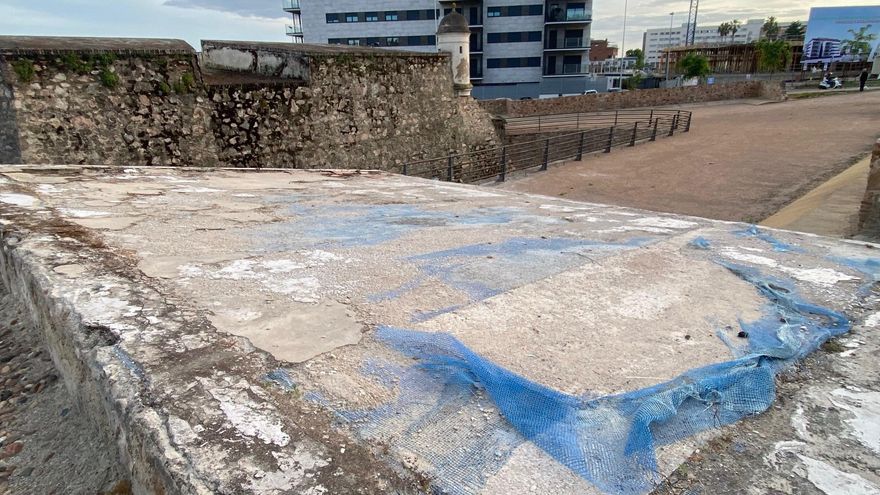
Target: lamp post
(671, 17)
(623, 43)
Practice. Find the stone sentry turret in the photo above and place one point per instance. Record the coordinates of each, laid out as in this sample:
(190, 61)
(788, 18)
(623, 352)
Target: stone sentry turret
(453, 37)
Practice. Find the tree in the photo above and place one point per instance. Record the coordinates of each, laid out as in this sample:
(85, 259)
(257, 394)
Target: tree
(639, 55)
(860, 44)
(773, 56)
(693, 65)
(734, 27)
(770, 30)
(724, 29)
(795, 31)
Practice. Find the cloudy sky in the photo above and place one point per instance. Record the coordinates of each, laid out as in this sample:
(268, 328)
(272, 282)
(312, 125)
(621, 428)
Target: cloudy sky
(193, 20)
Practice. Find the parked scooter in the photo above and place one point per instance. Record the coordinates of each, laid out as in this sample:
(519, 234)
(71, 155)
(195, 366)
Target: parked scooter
(830, 82)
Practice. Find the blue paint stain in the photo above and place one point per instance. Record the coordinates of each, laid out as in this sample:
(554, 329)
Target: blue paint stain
(356, 225)
(870, 267)
(281, 378)
(779, 246)
(700, 243)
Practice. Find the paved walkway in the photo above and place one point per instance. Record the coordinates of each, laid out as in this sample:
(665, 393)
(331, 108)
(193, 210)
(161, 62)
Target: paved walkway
(831, 209)
(739, 162)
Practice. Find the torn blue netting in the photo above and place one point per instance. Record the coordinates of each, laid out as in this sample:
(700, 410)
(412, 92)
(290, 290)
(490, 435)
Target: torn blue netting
(779, 246)
(610, 441)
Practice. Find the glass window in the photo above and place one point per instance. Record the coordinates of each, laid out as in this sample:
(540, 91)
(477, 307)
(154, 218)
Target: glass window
(493, 38)
(533, 62)
(351, 17)
(390, 16)
(392, 41)
(371, 16)
(493, 63)
(534, 36)
(514, 37)
(494, 12)
(354, 42)
(514, 10)
(412, 15)
(536, 10)
(332, 18)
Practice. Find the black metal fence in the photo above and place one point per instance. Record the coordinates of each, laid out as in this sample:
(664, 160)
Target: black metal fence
(498, 162)
(577, 121)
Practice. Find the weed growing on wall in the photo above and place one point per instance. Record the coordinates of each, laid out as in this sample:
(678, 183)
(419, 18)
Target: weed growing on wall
(24, 69)
(108, 78)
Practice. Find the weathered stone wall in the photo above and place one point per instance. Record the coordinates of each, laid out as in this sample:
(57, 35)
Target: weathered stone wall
(9, 150)
(365, 112)
(71, 112)
(349, 111)
(869, 214)
(635, 99)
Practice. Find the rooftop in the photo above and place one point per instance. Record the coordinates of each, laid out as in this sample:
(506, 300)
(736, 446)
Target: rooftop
(314, 49)
(321, 330)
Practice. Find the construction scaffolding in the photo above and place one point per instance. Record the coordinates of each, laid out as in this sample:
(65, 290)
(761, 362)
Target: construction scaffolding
(740, 58)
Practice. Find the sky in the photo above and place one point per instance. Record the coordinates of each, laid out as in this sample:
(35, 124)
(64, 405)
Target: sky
(263, 20)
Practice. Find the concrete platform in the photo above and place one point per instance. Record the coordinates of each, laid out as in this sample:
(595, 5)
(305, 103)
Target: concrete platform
(228, 325)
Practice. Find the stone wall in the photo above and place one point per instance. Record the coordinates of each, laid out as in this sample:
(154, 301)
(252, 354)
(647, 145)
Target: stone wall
(9, 149)
(635, 99)
(334, 108)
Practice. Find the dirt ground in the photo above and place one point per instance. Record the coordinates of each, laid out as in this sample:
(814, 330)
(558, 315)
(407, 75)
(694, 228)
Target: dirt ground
(47, 446)
(740, 161)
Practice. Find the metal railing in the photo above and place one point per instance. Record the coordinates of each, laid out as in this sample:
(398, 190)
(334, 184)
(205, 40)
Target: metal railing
(500, 161)
(576, 121)
(290, 4)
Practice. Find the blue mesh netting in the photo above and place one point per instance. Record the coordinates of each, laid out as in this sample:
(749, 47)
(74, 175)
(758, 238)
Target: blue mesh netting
(609, 441)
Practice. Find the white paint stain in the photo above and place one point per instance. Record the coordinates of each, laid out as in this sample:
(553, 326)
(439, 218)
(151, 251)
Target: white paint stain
(249, 418)
(865, 409)
(70, 212)
(820, 276)
(663, 222)
(873, 319)
(833, 481)
(292, 471)
(748, 258)
(18, 199)
(780, 449)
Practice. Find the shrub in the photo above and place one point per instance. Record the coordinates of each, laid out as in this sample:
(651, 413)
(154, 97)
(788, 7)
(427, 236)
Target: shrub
(24, 69)
(108, 78)
(73, 63)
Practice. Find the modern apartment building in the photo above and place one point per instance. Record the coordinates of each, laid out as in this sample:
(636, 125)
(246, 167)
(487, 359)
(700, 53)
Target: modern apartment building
(519, 48)
(654, 41)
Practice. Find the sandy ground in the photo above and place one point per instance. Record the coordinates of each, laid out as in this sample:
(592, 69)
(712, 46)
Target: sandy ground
(831, 209)
(740, 161)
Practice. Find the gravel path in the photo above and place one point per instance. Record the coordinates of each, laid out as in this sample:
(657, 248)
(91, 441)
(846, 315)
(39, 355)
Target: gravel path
(46, 445)
(740, 161)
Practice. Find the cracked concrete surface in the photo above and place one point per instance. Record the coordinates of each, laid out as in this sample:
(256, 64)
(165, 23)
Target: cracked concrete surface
(224, 320)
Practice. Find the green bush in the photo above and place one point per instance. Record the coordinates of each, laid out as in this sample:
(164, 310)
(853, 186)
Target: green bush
(24, 69)
(73, 63)
(108, 78)
(105, 59)
(164, 88)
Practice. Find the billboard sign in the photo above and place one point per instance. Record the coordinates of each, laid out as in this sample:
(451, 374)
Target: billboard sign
(842, 34)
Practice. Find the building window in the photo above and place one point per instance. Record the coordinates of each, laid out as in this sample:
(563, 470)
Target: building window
(512, 63)
(332, 18)
(351, 17)
(372, 16)
(390, 16)
(536, 10)
(412, 15)
(533, 36)
(513, 37)
(494, 12)
(392, 41)
(354, 42)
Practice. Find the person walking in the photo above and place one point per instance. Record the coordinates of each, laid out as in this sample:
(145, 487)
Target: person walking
(863, 79)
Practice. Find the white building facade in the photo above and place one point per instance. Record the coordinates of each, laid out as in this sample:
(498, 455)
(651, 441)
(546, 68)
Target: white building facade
(518, 48)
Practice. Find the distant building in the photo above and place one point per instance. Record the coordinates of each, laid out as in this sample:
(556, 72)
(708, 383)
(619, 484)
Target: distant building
(517, 49)
(821, 48)
(655, 41)
(601, 50)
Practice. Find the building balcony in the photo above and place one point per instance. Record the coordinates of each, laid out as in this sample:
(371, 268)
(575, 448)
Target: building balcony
(293, 30)
(571, 16)
(568, 70)
(572, 44)
(290, 5)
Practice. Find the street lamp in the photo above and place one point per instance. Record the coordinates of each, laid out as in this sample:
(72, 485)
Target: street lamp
(623, 43)
(671, 17)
